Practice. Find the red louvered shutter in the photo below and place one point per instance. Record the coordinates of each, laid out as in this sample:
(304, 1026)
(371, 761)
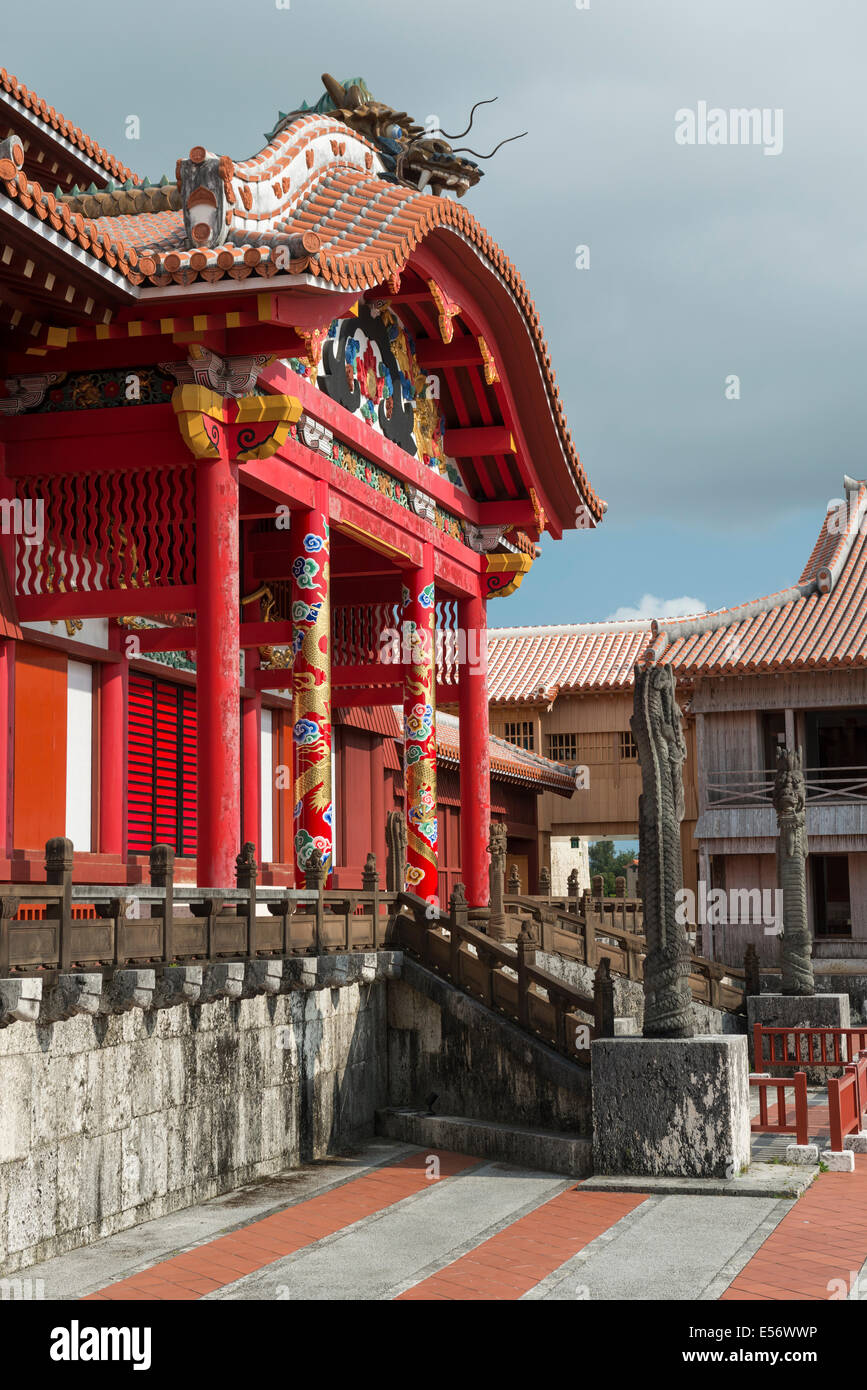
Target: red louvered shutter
(162, 765)
(188, 772)
(140, 760)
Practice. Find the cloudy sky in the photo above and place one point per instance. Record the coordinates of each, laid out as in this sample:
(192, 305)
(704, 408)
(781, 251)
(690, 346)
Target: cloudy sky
(706, 261)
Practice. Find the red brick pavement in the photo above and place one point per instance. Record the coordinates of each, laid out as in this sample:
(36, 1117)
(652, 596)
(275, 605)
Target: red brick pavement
(512, 1262)
(230, 1257)
(822, 1239)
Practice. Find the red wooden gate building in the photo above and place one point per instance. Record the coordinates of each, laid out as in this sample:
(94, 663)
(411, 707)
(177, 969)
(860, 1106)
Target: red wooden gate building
(272, 433)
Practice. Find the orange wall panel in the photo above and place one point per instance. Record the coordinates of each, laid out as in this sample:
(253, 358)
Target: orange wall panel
(40, 746)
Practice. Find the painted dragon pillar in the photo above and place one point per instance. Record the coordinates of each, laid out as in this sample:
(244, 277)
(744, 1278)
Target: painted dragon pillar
(656, 727)
(790, 804)
(419, 729)
(311, 642)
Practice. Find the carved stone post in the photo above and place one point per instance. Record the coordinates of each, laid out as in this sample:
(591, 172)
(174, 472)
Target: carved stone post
(790, 804)
(544, 882)
(620, 887)
(496, 874)
(573, 888)
(597, 886)
(752, 978)
(514, 884)
(314, 879)
(458, 906)
(395, 839)
(162, 869)
(245, 877)
(656, 727)
(603, 999)
(370, 884)
(526, 948)
(58, 871)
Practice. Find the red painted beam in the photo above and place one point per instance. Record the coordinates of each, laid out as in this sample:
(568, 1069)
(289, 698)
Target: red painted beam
(460, 352)
(373, 675)
(109, 603)
(518, 512)
(488, 439)
(359, 697)
(184, 639)
(281, 679)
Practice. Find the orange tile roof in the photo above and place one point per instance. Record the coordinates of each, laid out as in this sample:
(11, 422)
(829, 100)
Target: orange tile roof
(367, 225)
(535, 664)
(53, 120)
(508, 763)
(818, 624)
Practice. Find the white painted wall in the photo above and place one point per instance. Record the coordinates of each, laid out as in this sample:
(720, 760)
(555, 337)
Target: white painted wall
(266, 775)
(79, 753)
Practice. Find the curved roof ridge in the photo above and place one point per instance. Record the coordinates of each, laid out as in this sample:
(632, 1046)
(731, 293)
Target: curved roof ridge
(54, 120)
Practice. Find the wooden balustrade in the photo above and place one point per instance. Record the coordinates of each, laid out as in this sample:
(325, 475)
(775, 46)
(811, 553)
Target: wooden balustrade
(178, 924)
(508, 981)
(596, 933)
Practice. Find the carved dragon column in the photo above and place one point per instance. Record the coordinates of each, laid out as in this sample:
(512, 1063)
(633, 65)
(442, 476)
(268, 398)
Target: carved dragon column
(790, 804)
(419, 728)
(311, 618)
(656, 726)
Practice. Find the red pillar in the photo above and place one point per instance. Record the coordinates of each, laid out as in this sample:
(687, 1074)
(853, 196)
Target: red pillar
(113, 696)
(418, 618)
(217, 673)
(475, 753)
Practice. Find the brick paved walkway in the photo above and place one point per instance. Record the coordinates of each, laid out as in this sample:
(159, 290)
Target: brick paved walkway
(393, 1224)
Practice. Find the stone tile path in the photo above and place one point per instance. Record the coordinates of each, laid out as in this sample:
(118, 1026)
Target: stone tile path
(394, 1222)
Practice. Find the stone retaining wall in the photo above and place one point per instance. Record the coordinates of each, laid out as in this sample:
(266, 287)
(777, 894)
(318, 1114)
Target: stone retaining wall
(126, 1111)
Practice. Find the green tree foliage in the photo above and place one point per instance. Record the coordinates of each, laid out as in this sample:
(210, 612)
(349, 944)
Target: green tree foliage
(611, 865)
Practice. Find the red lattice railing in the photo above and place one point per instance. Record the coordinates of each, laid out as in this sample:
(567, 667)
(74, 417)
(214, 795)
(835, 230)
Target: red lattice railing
(131, 529)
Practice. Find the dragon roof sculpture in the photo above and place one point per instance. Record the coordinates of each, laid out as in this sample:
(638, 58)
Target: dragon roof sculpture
(418, 156)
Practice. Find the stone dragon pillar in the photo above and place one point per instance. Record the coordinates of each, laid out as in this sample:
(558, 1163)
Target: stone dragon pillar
(656, 727)
(790, 804)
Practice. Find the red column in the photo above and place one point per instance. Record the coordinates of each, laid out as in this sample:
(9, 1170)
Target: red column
(217, 673)
(113, 696)
(475, 753)
(418, 618)
(311, 687)
(251, 761)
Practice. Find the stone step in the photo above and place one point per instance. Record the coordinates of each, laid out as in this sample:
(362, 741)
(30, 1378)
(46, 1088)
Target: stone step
(543, 1150)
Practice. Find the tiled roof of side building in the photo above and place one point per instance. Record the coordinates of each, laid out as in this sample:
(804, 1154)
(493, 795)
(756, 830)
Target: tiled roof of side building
(508, 763)
(54, 120)
(818, 623)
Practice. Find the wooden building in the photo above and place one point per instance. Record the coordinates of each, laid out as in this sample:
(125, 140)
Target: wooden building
(565, 692)
(787, 668)
(269, 429)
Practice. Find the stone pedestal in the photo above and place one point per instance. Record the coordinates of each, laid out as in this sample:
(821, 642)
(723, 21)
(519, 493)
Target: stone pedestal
(798, 1011)
(671, 1107)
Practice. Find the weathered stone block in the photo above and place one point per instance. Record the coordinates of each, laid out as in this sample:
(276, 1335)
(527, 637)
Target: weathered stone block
(804, 1155)
(671, 1107)
(839, 1162)
(20, 1000)
(222, 980)
(79, 993)
(178, 984)
(262, 977)
(857, 1143)
(128, 989)
(799, 1011)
